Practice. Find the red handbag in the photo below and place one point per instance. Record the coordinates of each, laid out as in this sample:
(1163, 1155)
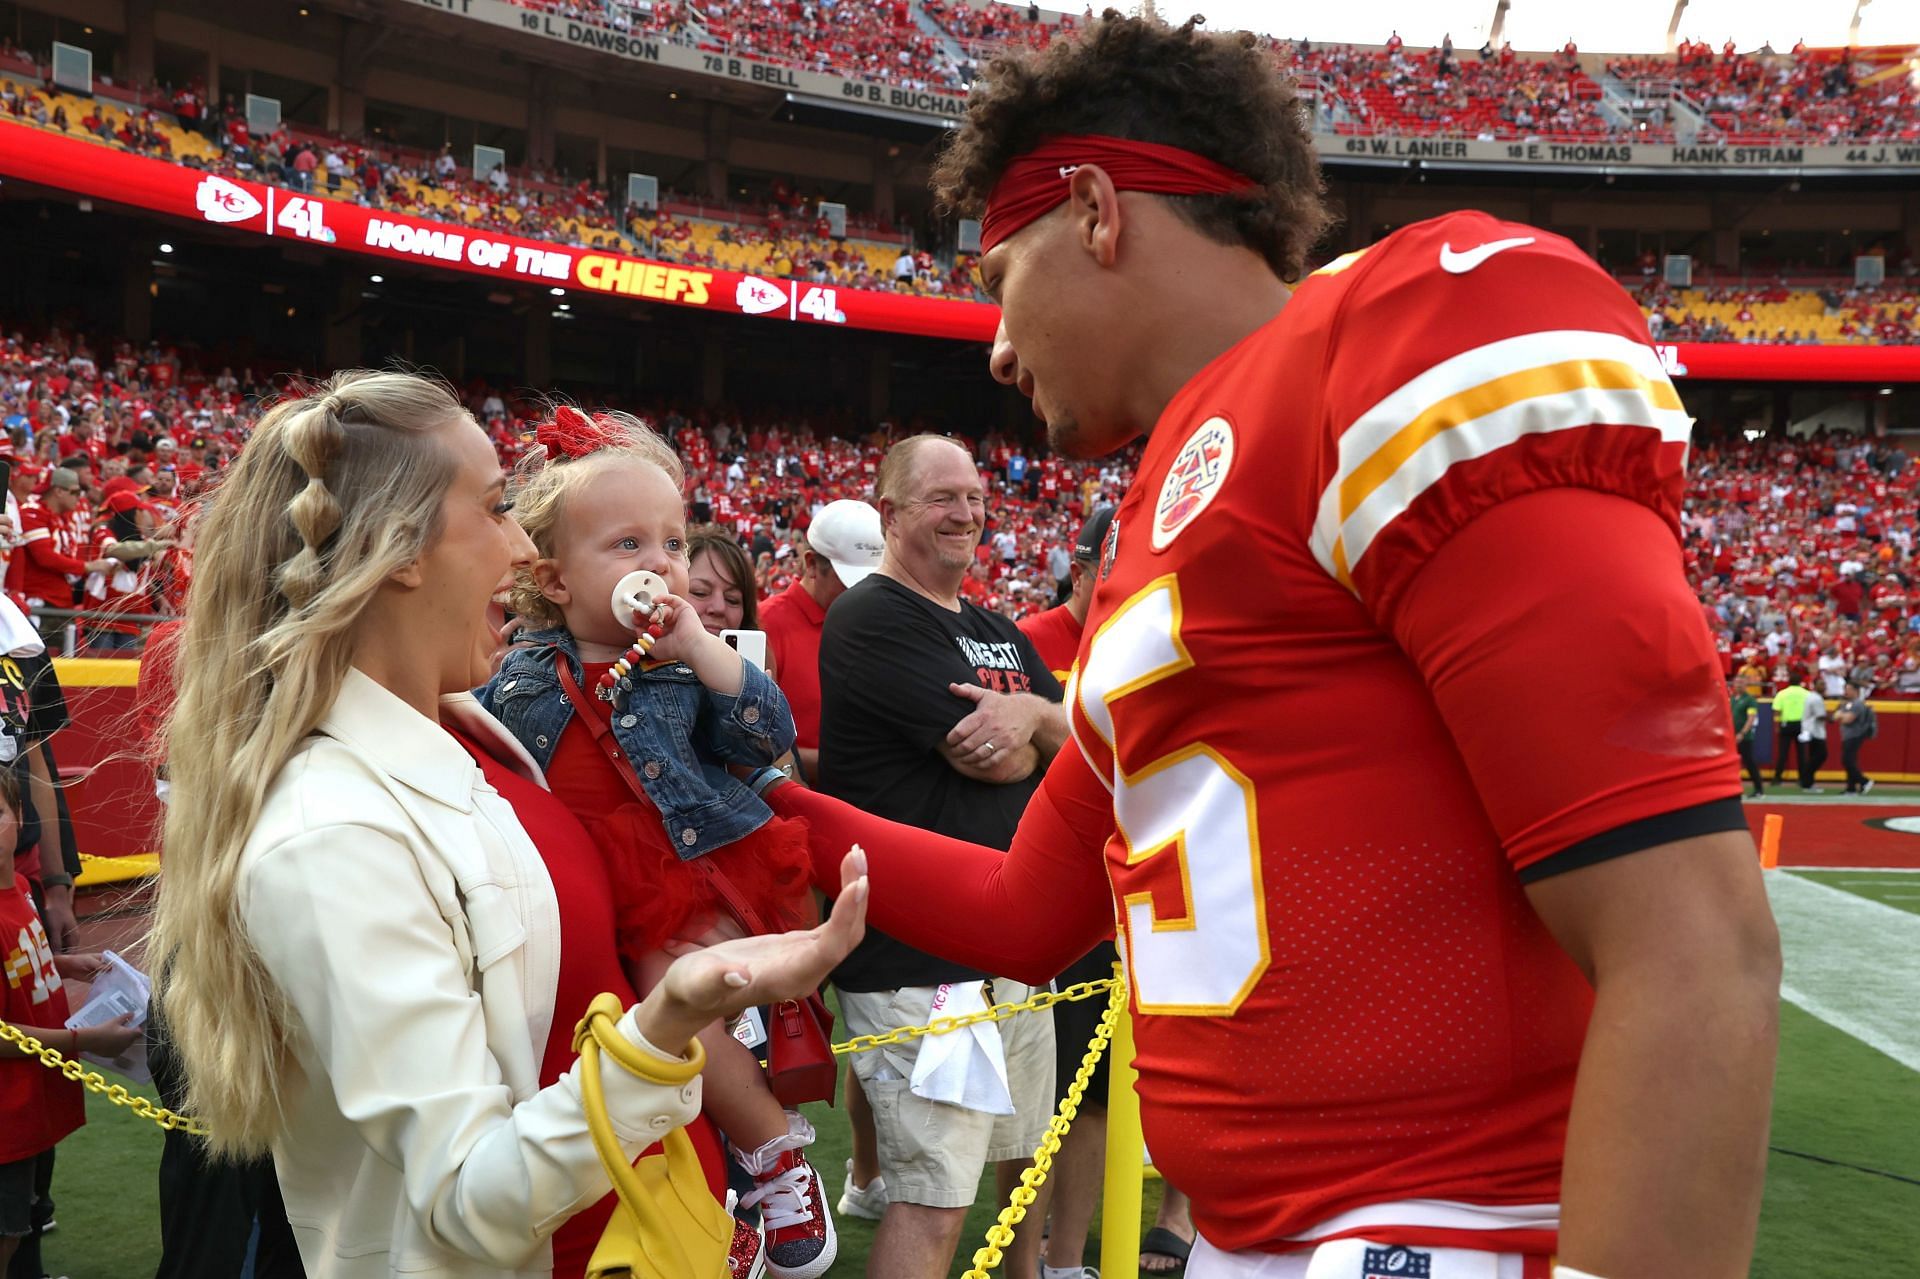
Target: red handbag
(800, 1064)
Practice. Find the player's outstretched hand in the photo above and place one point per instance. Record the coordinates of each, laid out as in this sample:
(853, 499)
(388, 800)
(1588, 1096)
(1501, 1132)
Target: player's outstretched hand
(706, 984)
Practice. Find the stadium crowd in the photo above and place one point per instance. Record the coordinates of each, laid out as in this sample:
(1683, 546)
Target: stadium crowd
(1491, 96)
(1779, 314)
(1802, 549)
(1809, 95)
(873, 41)
(142, 429)
(1803, 553)
(785, 236)
(988, 29)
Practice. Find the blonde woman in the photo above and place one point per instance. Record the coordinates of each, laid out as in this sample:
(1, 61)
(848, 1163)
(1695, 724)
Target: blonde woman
(381, 927)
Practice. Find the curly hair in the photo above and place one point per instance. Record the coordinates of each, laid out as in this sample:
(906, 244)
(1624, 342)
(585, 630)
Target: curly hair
(1220, 95)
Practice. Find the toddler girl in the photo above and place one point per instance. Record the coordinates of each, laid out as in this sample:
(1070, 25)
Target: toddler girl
(600, 499)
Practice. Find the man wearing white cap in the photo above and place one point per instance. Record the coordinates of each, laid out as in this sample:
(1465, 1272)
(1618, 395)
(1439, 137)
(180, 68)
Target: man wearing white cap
(843, 545)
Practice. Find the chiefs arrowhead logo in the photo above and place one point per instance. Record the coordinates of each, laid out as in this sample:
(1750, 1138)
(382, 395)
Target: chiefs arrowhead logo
(757, 297)
(1193, 480)
(221, 201)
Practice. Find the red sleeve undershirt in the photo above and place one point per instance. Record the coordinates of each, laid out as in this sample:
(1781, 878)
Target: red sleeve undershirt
(1025, 914)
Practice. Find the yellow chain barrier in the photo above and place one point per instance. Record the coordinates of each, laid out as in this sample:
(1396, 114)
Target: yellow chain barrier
(95, 1082)
(1000, 1234)
(998, 1012)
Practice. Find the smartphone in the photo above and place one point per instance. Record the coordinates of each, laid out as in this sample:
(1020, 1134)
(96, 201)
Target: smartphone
(751, 645)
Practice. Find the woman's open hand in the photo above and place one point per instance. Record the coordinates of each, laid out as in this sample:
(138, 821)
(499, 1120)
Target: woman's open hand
(706, 984)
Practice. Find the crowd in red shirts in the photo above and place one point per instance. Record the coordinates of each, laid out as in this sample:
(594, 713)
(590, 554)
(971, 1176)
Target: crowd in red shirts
(143, 430)
(1807, 95)
(869, 39)
(787, 235)
(1802, 551)
(1489, 95)
(105, 447)
(986, 30)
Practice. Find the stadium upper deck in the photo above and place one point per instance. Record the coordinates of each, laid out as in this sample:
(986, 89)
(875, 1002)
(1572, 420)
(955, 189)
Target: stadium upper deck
(382, 122)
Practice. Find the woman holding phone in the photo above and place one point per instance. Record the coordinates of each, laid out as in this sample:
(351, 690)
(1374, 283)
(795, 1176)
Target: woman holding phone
(720, 584)
(383, 928)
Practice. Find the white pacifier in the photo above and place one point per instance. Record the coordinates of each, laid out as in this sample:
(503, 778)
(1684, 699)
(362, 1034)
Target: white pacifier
(638, 592)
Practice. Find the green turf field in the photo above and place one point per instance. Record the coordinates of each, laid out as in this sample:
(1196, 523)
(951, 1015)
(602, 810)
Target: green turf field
(1898, 889)
(1843, 1184)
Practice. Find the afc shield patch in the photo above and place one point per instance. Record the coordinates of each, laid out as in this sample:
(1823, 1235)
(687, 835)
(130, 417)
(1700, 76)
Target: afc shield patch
(1197, 473)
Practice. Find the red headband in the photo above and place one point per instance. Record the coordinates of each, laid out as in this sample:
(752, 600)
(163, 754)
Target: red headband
(1037, 181)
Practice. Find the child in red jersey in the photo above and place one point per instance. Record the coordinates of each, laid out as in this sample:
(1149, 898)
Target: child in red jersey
(38, 1106)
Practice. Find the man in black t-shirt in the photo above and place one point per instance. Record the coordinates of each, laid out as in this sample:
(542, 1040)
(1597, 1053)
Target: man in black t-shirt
(939, 714)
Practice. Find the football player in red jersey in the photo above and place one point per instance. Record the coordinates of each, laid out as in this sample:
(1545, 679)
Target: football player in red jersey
(1432, 972)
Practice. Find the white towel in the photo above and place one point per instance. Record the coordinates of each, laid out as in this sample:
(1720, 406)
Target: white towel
(17, 636)
(968, 1067)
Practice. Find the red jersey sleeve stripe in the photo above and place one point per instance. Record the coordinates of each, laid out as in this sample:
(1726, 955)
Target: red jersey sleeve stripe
(1471, 406)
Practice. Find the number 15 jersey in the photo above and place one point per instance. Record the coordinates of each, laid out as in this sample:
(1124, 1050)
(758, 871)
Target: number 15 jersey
(1392, 620)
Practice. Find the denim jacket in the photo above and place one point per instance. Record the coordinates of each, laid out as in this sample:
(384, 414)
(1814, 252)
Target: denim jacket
(677, 732)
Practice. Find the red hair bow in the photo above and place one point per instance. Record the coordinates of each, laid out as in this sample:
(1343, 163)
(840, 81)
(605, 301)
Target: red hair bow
(571, 433)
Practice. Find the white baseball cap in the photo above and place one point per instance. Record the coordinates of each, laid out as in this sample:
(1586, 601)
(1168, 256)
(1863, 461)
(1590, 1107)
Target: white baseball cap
(848, 534)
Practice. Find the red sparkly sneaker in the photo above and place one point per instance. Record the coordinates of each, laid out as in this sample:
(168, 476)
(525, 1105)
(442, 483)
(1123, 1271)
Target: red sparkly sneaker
(801, 1242)
(747, 1259)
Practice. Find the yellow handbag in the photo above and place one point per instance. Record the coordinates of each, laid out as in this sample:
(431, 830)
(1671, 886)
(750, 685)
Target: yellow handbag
(667, 1225)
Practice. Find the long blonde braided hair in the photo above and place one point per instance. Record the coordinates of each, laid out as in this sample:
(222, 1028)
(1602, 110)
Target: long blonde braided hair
(334, 492)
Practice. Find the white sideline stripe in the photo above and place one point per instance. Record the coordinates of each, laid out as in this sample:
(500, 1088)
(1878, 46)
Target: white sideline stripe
(1862, 870)
(1852, 962)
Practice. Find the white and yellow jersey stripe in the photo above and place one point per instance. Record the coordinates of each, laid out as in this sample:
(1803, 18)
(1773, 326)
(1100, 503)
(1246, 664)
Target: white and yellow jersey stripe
(1472, 405)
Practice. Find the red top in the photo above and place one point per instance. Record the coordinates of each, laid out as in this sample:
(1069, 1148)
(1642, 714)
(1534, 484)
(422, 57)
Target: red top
(44, 566)
(656, 894)
(38, 1107)
(1056, 637)
(589, 964)
(793, 623)
(153, 694)
(1325, 592)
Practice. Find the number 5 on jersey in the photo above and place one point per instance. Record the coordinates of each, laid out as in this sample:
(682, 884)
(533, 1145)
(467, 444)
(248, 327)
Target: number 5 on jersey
(1195, 923)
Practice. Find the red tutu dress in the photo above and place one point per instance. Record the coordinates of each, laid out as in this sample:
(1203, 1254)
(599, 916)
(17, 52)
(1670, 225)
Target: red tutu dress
(657, 895)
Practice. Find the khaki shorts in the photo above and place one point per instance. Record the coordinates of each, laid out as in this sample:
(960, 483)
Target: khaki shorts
(931, 1153)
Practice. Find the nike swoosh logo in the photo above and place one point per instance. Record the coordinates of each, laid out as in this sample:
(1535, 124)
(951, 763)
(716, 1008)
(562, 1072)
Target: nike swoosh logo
(1461, 263)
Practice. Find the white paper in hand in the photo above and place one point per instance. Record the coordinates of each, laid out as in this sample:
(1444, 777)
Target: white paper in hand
(120, 990)
(967, 1067)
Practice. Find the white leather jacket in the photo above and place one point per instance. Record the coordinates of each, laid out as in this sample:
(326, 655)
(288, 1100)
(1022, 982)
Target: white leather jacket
(410, 922)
